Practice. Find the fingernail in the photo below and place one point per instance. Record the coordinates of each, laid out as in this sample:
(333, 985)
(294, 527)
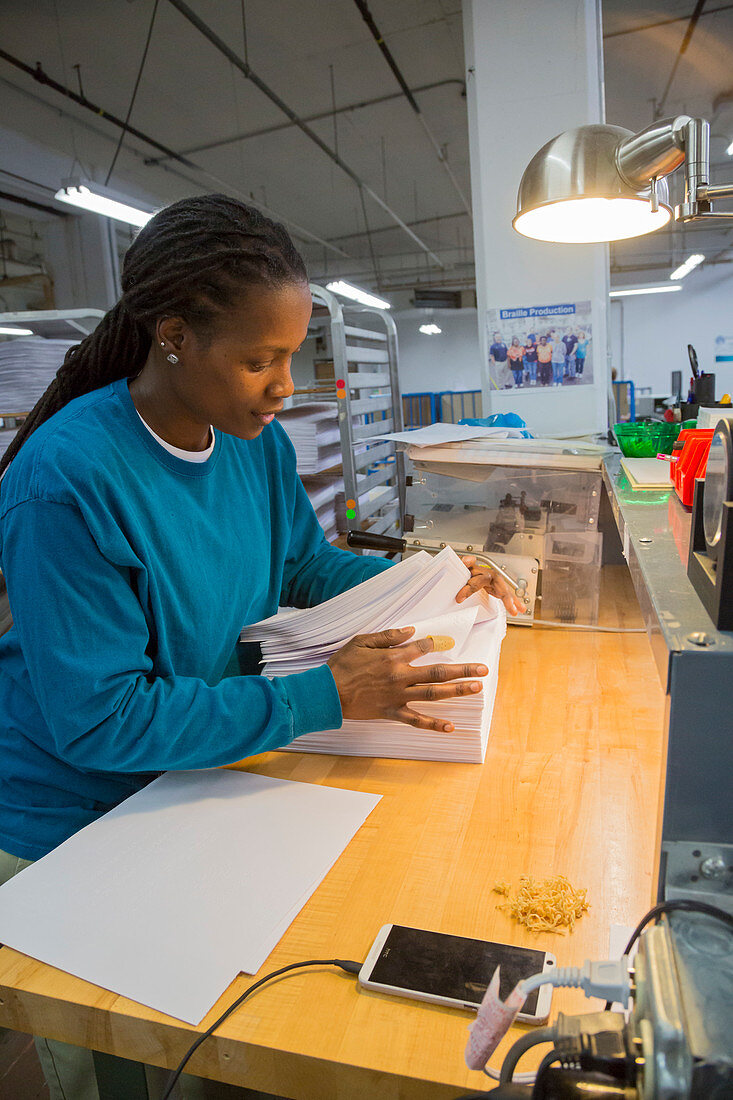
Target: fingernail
(448, 727)
(441, 642)
(482, 670)
(475, 687)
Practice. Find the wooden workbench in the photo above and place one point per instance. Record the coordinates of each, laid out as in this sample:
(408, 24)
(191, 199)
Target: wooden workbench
(570, 785)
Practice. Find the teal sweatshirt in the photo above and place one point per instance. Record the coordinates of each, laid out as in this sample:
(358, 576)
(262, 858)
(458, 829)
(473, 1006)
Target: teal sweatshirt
(130, 574)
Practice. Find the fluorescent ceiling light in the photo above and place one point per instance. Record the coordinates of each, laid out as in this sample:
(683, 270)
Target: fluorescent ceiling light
(431, 329)
(346, 290)
(729, 150)
(666, 289)
(86, 199)
(689, 265)
(5, 331)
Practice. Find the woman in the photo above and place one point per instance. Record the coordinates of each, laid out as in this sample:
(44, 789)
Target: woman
(558, 361)
(149, 509)
(544, 358)
(515, 352)
(530, 358)
(581, 351)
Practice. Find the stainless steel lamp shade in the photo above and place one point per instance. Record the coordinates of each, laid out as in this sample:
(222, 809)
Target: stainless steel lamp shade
(572, 191)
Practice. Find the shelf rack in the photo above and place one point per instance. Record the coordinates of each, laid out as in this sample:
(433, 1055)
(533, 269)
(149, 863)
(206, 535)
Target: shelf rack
(369, 404)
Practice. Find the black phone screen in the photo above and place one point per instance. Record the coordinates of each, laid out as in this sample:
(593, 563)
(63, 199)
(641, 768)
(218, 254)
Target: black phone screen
(453, 966)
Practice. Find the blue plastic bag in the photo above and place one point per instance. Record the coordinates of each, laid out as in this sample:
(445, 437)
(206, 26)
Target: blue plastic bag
(498, 420)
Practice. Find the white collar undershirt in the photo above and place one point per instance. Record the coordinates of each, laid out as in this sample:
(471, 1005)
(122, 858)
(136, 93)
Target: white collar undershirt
(187, 456)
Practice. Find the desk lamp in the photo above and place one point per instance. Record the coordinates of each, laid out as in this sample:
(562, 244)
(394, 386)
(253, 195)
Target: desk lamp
(605, 183)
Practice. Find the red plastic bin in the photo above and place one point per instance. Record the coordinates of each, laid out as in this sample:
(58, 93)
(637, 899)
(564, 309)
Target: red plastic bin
(691, 462)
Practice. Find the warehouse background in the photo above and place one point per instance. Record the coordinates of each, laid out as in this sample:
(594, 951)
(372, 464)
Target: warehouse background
(348, 122)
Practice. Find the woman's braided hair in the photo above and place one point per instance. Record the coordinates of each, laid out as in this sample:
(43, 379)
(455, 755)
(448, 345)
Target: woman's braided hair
(192, 260)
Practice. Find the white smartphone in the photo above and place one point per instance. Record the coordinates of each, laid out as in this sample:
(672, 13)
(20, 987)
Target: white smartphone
(452, 970)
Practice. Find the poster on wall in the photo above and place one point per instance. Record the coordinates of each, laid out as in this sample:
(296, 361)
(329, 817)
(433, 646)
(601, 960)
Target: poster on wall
(724, 349)
(536, 347)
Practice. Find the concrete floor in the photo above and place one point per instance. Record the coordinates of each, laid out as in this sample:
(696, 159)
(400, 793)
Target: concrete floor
(20, 1072)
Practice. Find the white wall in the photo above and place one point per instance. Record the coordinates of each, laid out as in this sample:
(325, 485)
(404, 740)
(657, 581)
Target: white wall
(533, 71)
(450, 361)
(650, 333)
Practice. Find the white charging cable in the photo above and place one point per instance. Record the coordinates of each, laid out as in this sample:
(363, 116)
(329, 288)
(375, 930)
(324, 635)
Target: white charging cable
(610, 980)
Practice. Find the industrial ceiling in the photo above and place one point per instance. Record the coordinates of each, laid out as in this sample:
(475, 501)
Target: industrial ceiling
(344, 118)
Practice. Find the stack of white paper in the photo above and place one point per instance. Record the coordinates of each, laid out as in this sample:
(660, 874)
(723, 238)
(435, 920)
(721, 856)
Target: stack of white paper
(314, 432)
(27, 368)
(326, 494)
(418, 592)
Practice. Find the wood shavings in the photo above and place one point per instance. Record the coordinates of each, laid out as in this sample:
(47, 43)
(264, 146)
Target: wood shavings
(546, 905)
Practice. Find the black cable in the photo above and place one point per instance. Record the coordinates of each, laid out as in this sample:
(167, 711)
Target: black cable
(345, 964)
(550, 1057)
(681, 906)
(134, 93)
(532, 1039)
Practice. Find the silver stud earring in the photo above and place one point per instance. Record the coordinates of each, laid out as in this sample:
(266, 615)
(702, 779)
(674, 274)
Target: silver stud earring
(170, 357)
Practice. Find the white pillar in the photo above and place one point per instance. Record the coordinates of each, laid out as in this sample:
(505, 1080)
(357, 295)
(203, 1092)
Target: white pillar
(534, 69)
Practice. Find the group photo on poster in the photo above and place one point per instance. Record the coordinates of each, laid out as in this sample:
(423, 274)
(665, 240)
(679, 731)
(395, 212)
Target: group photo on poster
(540, 346)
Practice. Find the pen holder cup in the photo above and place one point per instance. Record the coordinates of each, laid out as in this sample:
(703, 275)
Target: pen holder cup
(704, 389)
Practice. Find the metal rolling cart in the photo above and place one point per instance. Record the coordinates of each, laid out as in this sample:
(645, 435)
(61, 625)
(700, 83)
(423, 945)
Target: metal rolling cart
(369, 404)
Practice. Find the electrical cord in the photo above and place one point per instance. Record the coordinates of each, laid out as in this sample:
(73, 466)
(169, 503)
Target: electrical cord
(533, 1039)
(517, 1078)
(134, 93)
(550, 1057)
(347, 965)
(684, 905)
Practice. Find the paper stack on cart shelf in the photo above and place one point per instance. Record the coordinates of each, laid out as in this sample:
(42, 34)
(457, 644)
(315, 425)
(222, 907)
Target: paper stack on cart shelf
(27, 368)
(314, 432)
(418, 592)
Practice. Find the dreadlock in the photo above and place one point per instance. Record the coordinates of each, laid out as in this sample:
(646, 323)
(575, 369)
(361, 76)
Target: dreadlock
(192, 260)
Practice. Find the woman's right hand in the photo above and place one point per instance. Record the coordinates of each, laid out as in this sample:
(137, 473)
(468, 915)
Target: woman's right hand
(375, 679)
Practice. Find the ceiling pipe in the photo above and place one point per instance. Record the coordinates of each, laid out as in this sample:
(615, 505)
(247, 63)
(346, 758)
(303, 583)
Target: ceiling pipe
(265, 130)
(39, 75)
(690, 30)
(387, 53)
(391, 228)
(665, 22)
(248, 72)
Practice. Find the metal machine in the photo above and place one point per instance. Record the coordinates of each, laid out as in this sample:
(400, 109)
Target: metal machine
(676, 1043)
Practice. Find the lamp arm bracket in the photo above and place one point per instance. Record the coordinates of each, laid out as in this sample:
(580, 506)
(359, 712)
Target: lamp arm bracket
(653, 152)
(720, 191)
(687, 212)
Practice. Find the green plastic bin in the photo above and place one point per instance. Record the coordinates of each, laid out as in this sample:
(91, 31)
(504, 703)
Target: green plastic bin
(645, 439)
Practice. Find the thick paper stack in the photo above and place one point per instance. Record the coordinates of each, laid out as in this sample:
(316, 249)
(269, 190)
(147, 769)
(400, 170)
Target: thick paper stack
(418, 592)
(314, 432)
(27, 368)
(326, 494)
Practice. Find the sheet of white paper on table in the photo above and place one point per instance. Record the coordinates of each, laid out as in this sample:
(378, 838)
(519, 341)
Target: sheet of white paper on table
(170, 895)
(432, 435)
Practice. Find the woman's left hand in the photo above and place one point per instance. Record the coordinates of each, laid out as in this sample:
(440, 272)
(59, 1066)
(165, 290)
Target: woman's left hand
(482, 577)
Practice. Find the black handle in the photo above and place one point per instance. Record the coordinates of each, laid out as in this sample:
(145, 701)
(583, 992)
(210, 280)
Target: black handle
(365, 540)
